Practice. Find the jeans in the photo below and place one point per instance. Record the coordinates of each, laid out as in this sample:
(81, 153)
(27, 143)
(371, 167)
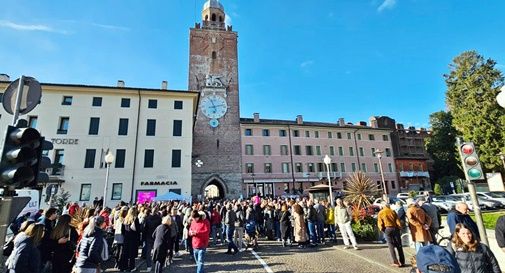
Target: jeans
(320, 230)
(148, 247)
(312, 231)
(199, 255)
(213, 234)
(229, 237)
(331, 231)
(394, 242)
(277, 228)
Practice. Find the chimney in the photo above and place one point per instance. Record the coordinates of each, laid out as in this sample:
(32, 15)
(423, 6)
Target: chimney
(362, 123)
(299, 119)
(399, 126)
(120, 83)
(374, 123)
(5, 78)
(341, 122)
(256, 117)
(164, 85)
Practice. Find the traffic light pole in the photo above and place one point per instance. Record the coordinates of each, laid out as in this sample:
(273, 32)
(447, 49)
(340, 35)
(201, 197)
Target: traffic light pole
(19, 96)
(473, 196)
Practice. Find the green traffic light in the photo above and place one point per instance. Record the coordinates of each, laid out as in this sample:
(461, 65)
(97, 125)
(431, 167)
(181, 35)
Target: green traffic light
(474, 173)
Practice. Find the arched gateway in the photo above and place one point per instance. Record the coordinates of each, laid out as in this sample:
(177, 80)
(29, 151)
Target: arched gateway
(214, 188)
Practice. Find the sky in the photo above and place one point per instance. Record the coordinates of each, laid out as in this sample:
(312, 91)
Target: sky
(323, 59)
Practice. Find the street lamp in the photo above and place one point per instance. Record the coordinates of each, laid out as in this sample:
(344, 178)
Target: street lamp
(327, 161)
(502, 157)
(109, 158)
(379, 153)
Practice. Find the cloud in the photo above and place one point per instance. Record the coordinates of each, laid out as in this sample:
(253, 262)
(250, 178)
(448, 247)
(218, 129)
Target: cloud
(111, 27)
(387, 4)
(306, 64)
(26, 27)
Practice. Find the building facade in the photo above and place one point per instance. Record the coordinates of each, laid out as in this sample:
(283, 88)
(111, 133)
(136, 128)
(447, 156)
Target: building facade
(149, 131)
(213, 71)
(285, 157)
(411, 158)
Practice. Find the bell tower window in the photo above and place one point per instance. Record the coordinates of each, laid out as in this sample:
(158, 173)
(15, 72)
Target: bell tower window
(213, 18)
(214, 55)
(221, 19)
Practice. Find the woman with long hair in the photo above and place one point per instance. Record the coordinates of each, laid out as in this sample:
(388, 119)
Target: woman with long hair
(25, 257)
(162, 241)
(130, 229)
(472, 256)
(64, 238)
(285, 223)
(300, 229)
(118, 235)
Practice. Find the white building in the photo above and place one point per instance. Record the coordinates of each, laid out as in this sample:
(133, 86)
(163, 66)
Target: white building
(149, 131)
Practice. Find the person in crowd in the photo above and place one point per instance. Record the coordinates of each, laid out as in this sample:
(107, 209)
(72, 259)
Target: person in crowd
(285, 222)
(92, 249)
(238, 236)
(162, 237)
(152, 221)
(277, 225)
(389, 223)
(311, 216)
(199, 231)
(118, 234)
(434, 214)
(74, 208)
(188, 239)
(471, 255)
(268, 222)
(173, 234)
(419, 225)
(64, 239)
(215, 221)
(300, 229)
(131, 232)
(343, 220)
(321, 217)
(46, 246)
(25, 257)
(36, 217)
(16, 224)
(500, 232)
(435, 259)
(229, 222)
(460, 215)
(177, 222)
(330, 222)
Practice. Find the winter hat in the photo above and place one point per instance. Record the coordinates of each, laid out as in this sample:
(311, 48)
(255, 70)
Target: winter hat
(433, 258)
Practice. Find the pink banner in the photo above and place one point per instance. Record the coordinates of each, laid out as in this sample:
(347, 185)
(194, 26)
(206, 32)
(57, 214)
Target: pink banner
(145, 196)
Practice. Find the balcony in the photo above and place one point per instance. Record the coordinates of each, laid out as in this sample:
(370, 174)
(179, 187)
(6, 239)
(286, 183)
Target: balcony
(414, 174)
(56, 170)
(61, 131)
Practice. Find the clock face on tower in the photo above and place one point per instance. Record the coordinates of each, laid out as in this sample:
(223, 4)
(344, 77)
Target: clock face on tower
(213, 106)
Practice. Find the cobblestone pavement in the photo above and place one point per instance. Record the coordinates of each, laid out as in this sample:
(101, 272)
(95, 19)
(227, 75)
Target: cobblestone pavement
(325, 258)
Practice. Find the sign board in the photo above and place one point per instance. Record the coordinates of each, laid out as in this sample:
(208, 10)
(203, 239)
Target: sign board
(30, 95)
(495, 182)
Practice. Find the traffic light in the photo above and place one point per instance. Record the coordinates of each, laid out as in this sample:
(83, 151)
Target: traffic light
(470, 160)
(20, 157)
(44, 161)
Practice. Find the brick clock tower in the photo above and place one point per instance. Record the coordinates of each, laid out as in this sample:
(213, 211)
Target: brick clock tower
(213, 71)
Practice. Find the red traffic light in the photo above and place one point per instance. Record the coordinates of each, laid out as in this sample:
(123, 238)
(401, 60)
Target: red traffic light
(467, 149)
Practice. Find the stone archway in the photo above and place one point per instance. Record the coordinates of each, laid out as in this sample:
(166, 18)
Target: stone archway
(214, 188)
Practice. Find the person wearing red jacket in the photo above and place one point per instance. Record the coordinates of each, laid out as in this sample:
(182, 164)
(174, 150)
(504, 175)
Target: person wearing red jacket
(215, 224)
(199, 230)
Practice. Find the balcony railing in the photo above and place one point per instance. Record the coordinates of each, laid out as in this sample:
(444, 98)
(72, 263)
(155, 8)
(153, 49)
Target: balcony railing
(414, 174)
(56, 170)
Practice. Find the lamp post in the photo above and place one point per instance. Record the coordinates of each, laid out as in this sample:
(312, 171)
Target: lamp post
(109, 158)
(379, 153)
(327, 161)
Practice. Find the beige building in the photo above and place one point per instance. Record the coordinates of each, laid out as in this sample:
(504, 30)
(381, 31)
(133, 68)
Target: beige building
(149, 131)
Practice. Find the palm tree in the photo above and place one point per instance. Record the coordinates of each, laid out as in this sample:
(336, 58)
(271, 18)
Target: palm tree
(360, 188)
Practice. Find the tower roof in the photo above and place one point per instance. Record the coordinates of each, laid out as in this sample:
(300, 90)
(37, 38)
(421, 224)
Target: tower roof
(213, 4)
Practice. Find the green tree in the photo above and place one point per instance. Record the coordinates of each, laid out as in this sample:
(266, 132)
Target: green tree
(61, 199)
(472, 85)
(440, 146)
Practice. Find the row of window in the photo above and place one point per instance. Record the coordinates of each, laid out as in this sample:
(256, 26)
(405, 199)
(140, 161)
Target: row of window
(120, 154)
(94, 126)
(309, 150)
(296, 133)
(125, 102)
(314, 167)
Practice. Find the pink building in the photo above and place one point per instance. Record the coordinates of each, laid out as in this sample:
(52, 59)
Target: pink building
(283, 156)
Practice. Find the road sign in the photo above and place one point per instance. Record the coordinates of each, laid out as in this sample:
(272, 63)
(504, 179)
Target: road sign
(30, 95)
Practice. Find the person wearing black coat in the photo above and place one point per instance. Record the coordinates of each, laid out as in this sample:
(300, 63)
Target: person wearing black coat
(131, 233)
(91, 247)
(25, 257)
(285, 222)
(151, 223)
(162, 241)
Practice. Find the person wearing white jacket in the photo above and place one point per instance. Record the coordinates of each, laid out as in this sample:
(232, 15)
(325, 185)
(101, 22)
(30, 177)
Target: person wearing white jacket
(343, 220)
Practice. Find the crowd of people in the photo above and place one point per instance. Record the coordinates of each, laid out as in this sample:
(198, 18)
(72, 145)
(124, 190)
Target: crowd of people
(83, 239)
